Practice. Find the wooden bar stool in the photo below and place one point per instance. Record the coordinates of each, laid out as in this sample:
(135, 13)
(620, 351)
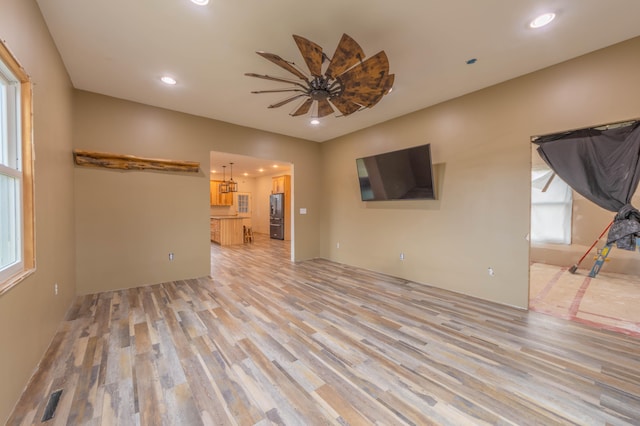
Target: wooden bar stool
(248, 234)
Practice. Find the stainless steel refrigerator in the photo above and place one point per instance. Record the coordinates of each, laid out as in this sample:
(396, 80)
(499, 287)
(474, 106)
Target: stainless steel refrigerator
(276, 216)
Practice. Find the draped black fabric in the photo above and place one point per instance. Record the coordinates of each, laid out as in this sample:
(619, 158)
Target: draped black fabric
(604, 167)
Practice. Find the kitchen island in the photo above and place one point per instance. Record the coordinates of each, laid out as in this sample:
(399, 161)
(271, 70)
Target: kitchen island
(227, 230)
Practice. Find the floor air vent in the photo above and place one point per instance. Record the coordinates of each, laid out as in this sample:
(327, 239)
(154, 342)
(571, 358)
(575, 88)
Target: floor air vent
(51, 405)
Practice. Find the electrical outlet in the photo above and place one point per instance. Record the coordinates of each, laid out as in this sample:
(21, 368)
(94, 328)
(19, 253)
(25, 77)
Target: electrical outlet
(401, 256)
(171, 256)
(338, 245)
(55, 289)
(491, 272)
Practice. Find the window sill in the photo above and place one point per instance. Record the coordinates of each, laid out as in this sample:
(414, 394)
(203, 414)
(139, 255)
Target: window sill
(14, 280)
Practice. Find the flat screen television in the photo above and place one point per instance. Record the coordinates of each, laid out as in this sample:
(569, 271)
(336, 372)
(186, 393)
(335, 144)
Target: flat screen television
(406, 174)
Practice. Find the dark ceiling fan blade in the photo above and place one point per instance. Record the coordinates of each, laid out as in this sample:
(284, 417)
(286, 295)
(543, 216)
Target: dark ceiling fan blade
(286, 101)
(279, 91)
(364, 95)
(367, 82)
(304, 108)
(347, 54)
(289, 66)
(364, 92)
(388, 85)
(368, 92)
(345, 106)
(268, 77)
(376, 66)
(367, 99)
(364, 99)
(324, 108)
(312, 54)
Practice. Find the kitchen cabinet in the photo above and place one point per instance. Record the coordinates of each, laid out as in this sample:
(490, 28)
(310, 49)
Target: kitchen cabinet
(216, 197)
(280, 184)
(227, 230)
(215, 230)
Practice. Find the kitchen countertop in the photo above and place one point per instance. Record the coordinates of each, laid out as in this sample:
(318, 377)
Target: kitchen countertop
(226, 217)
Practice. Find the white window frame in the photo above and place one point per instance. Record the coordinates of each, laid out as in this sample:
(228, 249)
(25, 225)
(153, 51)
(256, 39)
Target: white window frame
(11, 170)
(243, 203)
(16, 162)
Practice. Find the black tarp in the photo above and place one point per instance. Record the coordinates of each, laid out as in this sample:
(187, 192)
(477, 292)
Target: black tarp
(604, 167)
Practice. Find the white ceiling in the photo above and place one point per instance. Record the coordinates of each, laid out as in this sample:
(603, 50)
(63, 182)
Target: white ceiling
(120, 48)
(243, 165)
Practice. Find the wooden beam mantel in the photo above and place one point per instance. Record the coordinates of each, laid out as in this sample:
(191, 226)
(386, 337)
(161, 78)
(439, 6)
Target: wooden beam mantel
(130, 162)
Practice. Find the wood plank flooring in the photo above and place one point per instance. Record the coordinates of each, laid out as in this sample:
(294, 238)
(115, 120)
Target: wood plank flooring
(266, 341)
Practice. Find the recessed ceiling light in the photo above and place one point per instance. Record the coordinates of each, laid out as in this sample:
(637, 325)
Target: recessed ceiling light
(315, 121)
(275, 166)
(542, 20)
(168, 80)
(261, 170)
(200, 2)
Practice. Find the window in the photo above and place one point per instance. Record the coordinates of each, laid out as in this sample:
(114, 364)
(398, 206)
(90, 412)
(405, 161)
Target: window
(551, 208)
(16, 183)
(243, 203)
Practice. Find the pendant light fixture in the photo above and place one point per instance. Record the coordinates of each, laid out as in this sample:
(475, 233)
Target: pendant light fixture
(223, 188)
(232, 186)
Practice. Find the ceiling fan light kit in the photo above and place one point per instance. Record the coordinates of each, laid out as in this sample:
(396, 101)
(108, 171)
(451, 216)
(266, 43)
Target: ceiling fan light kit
(349, 83)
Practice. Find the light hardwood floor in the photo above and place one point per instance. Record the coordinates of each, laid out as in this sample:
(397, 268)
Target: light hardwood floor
(267, 341)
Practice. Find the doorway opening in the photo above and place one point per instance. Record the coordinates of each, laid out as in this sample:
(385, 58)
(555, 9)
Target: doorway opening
(564, 225)
(249, 207)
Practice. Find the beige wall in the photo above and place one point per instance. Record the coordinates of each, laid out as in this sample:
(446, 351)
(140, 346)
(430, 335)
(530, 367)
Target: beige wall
(30, 313)
(128, 222)
(481, 217)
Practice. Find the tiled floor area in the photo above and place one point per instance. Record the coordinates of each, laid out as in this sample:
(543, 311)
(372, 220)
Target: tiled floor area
(609, 301)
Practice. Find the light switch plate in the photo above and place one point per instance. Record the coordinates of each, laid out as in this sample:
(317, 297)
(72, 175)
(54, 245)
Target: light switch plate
(303, 211)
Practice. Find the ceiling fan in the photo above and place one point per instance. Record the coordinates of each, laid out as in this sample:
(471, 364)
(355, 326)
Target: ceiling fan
(349, 83)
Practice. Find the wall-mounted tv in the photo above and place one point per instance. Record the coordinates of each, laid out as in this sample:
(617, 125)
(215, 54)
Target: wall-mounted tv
(398, 175)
